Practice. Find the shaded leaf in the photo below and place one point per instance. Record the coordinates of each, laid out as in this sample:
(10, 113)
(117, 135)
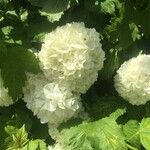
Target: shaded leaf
(3, 135)
(131, 131)
(135, 31)
(52, 6)
(52, 17)
(145, 133)
(16, 63)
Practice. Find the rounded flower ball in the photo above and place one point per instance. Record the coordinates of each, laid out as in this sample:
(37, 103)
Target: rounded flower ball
(5, 99)
(133, 80)
(49, 101)
(72, 55)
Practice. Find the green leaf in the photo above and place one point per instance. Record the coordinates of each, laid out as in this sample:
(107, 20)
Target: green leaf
(35, 145)
(11, 129)
(24, 16)
(103, 6)
(17, 140)
(6, 30)
(123, 30)
(111, 64)
(19, 118)
(131, 131)
(100, 107)
(52, 17)
(102, 134)
(135, 31)
(16, 63)
(3, 135)
(39, 37)
(52, 6)
(108, 6)
(145, 133)
(38, 24)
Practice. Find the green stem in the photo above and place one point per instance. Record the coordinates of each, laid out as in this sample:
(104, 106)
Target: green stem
(131, 147)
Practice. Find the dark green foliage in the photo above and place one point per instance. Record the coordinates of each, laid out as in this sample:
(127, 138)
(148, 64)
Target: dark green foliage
(16, 62)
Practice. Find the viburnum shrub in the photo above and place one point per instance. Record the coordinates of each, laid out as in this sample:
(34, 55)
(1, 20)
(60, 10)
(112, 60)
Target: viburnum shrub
(75, 75)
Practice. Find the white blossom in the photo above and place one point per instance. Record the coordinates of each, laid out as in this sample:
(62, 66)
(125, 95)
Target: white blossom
(133, 80)
(49, 101)
(72, 55)
(5, 99)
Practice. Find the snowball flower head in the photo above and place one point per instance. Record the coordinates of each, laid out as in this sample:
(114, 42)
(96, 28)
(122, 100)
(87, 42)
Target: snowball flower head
(72, 56)
(5, 99)
(133, 80)
(50, 101)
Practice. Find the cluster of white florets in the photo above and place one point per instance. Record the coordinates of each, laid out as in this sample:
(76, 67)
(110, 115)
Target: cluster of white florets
(70, 59)
(5, 99)
(50, 101)
(72, 55)
(133, 80)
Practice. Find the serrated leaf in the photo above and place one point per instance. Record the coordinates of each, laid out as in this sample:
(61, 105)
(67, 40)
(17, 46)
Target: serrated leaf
(52, 6)
(39, 37)
(17, 140)
(35, 145)
(108, 6)
(131, 131)
(145, 133)
(38, 24)
(102, 134)
(135, 31)
(52, 17)
(6, 30)
(24, 16)
(111, 63)
(119, 32)
(10, 129)
(16, 63)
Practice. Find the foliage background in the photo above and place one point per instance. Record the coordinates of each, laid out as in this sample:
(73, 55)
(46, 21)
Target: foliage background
(124, 26)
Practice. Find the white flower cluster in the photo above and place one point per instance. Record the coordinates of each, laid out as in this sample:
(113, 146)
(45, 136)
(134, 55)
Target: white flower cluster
(50, 101)
(5, 99)
(72, 55)
(133, 80)
(70, 59)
